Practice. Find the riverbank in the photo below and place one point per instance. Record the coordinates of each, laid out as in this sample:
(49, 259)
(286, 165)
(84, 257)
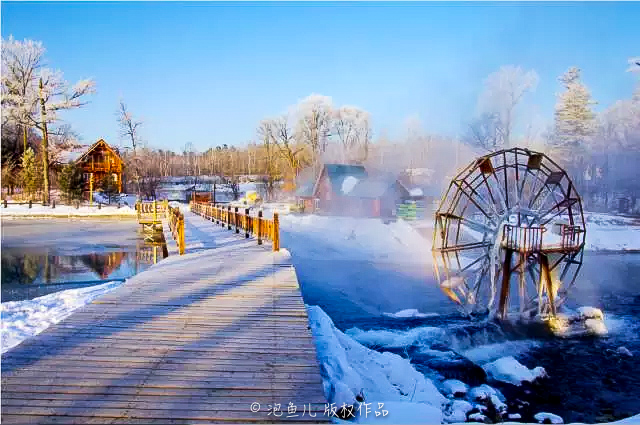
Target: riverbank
(61, 211)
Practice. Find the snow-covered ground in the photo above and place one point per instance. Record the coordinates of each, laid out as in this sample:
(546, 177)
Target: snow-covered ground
(23, 211)
(24, 319)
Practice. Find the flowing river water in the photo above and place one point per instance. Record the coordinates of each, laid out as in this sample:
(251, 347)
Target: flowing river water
(590, 379)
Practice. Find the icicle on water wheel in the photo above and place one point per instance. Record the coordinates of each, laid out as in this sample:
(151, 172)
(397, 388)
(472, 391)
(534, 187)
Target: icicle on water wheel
(509, 235)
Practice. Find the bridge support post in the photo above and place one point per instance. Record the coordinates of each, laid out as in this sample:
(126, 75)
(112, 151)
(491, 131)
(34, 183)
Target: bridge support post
(235, 216)
(228, 217)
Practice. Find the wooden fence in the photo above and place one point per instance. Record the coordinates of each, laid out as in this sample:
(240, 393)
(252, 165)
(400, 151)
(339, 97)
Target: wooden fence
(258, 227)
(176, 225)
(151, 212)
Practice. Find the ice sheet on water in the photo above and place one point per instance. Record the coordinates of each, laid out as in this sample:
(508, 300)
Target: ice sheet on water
(544, 417)
(410, 313)
(490, 352)
(24, 319)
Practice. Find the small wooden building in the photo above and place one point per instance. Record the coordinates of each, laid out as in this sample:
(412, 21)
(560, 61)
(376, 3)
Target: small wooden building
(97, 161)
(345, 189)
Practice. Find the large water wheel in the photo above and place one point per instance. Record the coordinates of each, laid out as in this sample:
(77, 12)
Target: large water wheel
(509, 235)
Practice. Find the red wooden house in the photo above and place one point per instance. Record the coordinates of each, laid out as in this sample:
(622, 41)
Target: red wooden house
(344, 189)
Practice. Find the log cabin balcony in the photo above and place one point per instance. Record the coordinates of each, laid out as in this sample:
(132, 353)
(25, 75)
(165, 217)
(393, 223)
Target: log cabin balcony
(104, 167)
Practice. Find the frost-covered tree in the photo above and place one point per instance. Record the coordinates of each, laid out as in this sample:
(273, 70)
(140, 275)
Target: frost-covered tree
(33, 96)
(486, 132)
(313, 123)
(574, 120)
(351, 126)
(270, 155)
(503, 91)
(129, 127)
(55, 95)
(21, 62)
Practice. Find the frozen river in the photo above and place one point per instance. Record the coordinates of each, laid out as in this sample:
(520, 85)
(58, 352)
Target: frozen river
(44, 256)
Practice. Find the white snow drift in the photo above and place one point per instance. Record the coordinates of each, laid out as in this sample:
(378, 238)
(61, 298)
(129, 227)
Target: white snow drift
(24, 319)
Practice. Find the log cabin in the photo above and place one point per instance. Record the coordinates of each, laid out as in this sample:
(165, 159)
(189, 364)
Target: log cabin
(99, 160)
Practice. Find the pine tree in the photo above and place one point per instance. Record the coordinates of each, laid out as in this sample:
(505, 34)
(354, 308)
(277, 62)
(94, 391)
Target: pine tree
(29, 173)
(574, 119)
(109, 186)
(70, 182)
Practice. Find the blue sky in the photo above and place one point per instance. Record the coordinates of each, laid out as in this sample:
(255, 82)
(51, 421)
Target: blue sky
(206, 73)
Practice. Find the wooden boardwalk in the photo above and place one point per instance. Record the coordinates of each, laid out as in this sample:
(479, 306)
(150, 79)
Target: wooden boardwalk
(196, 338)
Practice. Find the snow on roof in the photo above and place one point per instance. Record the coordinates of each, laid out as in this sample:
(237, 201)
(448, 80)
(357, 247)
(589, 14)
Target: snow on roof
(337, 173)
(72, 154)
(348, 184)
(374, 186)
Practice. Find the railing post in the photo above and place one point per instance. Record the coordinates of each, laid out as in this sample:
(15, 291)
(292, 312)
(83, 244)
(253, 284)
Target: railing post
(181, 234)
(5, 202)
(228, 217)
(246, 223)
(236, 220)
(276, 232)
(30, 203)
(155, 211)
(259, 228)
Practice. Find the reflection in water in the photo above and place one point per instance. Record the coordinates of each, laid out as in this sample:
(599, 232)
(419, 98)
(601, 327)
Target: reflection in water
(29, 273)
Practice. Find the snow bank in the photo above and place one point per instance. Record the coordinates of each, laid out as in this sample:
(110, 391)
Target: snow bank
(23, 211)
(455, 388)
(348, 368)
(508, 369)
(585, 321)
(349, 238)
(24, 319)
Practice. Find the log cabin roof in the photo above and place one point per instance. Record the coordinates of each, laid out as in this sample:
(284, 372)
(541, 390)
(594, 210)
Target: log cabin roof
(337, 173)
(79, 153)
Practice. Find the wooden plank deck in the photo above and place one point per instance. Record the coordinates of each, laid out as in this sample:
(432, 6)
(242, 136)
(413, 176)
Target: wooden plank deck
(197, 338)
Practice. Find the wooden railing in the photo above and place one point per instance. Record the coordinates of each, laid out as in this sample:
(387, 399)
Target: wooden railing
(151, 211)
(527, 239)
(530, 239)
(176, 226)
(258, 227)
